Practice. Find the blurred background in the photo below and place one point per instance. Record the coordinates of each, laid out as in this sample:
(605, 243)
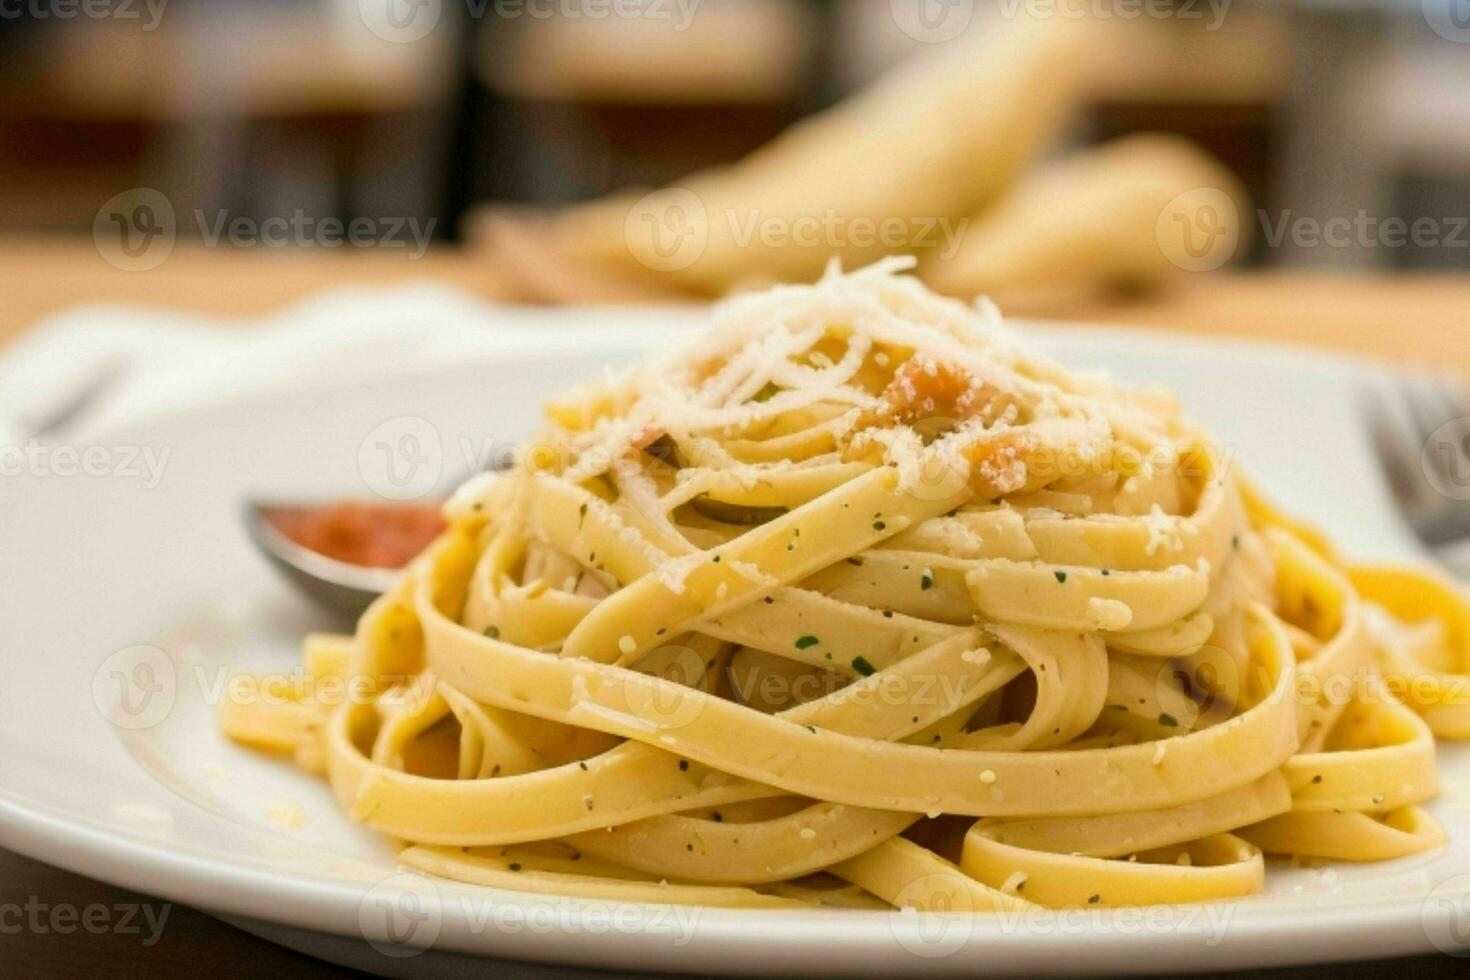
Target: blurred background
(1036, 150)
(1279, 169)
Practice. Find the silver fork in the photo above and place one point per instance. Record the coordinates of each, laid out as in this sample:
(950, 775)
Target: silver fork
(70, 406)
(1420, 429)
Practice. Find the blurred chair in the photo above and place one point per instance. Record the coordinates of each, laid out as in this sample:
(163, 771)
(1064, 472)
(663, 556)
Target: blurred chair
(255, 110)
(589, 105)
(1411, 101)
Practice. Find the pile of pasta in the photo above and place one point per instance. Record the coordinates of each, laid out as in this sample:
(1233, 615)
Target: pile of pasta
(857, 602)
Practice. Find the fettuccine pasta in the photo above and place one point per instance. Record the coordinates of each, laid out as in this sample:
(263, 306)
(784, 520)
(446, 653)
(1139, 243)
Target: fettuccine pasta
(858, 602)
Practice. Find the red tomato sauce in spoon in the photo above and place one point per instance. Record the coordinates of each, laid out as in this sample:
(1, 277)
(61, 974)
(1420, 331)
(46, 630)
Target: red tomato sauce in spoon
(372, 535)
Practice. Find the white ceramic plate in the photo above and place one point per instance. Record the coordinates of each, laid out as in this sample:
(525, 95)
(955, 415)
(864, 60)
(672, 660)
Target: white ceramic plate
(126, 607)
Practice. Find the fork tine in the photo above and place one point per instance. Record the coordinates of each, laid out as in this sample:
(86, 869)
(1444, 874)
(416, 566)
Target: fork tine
(1447, 393)
(1427, 483)
(1426, 408)
(1392, 431)
(1452, 397)
(1433, 406)
(93, 389)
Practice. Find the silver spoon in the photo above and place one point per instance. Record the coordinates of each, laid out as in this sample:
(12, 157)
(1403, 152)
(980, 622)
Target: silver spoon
(336, 586)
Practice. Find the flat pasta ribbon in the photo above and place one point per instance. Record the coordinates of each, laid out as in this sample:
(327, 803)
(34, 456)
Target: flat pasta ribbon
(857, 602)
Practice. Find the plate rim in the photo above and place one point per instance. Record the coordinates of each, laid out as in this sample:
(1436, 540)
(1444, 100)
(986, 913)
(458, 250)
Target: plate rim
(233, 887)
(221, 882)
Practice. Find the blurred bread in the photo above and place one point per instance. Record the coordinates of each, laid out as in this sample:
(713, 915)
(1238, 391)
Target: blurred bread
(938, 139)
(1127, 212)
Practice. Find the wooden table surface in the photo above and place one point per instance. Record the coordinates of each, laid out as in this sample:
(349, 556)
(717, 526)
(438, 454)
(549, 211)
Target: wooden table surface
(1422, 320)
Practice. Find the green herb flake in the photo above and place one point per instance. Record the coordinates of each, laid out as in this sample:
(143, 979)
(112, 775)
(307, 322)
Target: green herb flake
(493, 632)
(926, 579)
(861, 665)
(581, 516)
(806, 640)
(1060, 575)
(1093, 899)
(1168, 720)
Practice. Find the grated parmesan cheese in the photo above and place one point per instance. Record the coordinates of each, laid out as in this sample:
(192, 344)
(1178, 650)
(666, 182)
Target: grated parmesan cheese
(1163, 532)
(1109, 614)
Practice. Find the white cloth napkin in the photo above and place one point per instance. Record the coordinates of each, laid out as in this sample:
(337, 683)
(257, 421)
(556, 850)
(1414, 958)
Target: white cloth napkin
(166, 361)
